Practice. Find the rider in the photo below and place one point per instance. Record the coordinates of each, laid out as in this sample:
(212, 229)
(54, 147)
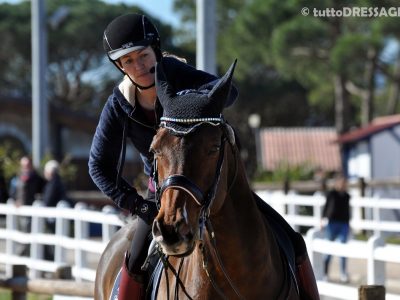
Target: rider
(132, 44)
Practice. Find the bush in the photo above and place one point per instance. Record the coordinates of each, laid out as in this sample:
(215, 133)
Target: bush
(284, 172)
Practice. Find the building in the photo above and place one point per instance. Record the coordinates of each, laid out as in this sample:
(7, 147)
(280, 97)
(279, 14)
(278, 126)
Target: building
(312, 146)
(70, 134)
(373, 152)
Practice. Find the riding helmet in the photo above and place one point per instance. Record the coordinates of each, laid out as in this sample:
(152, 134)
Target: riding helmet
(130, 32)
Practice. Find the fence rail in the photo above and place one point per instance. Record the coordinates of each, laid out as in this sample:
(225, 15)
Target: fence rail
(71, 238)
(74, 245)
(374, 251)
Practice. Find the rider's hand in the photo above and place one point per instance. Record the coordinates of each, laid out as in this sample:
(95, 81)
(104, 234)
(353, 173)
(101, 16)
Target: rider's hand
(145, 209)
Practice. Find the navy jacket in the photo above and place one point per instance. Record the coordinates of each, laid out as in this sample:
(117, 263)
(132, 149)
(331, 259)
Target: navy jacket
(54, 191)
(120, 120)
(337, 207)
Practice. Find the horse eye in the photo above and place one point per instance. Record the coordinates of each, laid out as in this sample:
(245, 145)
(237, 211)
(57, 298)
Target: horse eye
(214, 149)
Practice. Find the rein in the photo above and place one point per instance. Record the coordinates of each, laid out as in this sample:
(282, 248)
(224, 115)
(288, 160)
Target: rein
(181, 182)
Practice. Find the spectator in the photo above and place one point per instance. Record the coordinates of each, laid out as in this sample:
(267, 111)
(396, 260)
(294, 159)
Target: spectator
(29, 183)
(336, 216)
(13, 187)
(3, 188)
(53, 192)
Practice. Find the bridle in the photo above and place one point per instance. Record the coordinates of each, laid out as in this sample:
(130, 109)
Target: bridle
(205, 201)
(181, 182)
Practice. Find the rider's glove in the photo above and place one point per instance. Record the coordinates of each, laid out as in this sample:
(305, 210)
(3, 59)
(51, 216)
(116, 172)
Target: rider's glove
(144, 209)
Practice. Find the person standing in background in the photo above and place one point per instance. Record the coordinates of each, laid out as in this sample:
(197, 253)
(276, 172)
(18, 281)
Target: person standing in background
(3, 187)
(336, 218)
(29, 183)
(53, 192)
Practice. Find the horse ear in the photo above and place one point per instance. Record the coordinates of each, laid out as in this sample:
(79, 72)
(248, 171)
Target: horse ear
(223, 86)
(164, 90)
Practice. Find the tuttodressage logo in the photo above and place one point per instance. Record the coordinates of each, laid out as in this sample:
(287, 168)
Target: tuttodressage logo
(356, 11)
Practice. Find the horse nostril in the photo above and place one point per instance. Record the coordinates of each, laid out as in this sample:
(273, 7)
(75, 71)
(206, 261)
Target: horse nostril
(156, 230)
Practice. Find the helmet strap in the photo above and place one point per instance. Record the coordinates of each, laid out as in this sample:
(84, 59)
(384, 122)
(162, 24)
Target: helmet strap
(140, 87)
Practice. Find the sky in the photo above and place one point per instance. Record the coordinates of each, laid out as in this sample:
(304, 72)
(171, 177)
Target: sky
(161, 9)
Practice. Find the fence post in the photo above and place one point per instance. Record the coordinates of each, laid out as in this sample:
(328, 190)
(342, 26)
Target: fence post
(81, 234)
(62, 230)
(362, 186)
(107, 229)
(375, 268)
(277, 202)
(37, 226)
(317, 208)
(376, 217)
(11, 246)
(371, 292)
(18, 271)
(316, 258)
(292, 210)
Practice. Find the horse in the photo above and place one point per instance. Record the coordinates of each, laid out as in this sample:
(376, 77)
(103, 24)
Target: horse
(214, 242)
(209, 226)
(111, 260)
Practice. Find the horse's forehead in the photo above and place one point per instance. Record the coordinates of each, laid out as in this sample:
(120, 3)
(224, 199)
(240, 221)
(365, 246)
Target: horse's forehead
(203, 133)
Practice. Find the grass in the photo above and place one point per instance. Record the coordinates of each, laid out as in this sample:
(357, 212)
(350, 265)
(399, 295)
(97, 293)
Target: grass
(6, 295)
(394, 239)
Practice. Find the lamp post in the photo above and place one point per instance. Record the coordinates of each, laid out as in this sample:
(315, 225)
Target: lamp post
(40, 110)
(40, 118)
(254, 122)
(206, 36)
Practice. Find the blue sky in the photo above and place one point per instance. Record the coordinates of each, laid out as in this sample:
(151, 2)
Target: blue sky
(161, 9)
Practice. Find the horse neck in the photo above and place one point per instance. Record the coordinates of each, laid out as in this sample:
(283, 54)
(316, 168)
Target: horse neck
(239, 226)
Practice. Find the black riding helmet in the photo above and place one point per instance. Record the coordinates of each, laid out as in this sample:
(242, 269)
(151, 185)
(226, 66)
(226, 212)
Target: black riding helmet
(130, 32)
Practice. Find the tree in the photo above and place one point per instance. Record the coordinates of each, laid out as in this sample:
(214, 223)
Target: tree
(79, 75)
(336, 59)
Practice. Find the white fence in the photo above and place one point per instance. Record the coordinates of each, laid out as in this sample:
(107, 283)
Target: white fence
(71, 241)
(74, 245)
(374, 251)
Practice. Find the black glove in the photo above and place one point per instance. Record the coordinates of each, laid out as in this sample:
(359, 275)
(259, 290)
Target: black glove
(145, 209)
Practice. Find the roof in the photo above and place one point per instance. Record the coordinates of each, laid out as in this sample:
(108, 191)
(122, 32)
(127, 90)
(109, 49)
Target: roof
(300, 145)
(377, 125)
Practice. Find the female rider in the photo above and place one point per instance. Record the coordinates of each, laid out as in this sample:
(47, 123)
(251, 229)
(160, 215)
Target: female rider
(132, 44)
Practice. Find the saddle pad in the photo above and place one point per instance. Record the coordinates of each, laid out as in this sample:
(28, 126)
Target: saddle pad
(114, 291)
(156, 278)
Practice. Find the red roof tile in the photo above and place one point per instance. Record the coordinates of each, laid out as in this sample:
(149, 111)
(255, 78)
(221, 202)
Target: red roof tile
(375, 126)
(296, 146)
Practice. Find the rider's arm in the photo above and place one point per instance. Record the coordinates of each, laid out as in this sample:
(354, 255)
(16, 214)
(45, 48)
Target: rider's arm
(104, 155)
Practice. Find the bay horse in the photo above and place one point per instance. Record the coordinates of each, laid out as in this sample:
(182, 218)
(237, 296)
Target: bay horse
(214, 241)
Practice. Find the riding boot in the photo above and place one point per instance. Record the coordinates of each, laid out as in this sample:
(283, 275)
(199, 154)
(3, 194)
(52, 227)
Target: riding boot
(306, 280)
(131, 286)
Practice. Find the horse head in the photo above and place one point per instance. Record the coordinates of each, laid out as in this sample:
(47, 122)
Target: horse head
(190, 152)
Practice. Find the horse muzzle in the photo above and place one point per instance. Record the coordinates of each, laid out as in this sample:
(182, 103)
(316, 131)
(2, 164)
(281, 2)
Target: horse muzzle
(177, 239)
